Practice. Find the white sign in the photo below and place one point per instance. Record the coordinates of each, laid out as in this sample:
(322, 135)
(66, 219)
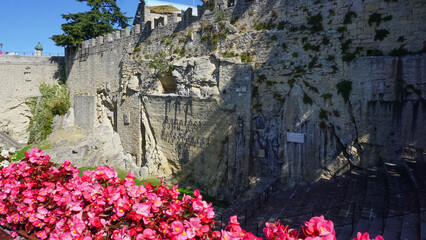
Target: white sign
(295, 137)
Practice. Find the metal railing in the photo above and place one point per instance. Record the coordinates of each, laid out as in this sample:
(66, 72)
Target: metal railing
(32, 54)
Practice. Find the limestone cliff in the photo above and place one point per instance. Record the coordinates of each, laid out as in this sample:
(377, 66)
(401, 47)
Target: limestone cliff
(261, 90)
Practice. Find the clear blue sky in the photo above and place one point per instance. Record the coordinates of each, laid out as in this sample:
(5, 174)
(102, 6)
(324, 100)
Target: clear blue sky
(23, 23)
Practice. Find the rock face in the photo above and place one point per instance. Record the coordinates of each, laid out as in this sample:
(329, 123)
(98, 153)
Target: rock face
(101, 146)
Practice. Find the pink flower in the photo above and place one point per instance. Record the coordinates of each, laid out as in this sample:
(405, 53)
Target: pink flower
(177, 227)
(42, 234)
(149, 233)
(318, 226)
(366, 236)
(234, 220)
(142, 209)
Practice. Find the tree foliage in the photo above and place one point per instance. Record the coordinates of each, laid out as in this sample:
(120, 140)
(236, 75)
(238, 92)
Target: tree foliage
(103, 17)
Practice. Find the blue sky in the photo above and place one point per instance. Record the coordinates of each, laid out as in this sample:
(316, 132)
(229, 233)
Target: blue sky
(23, 23)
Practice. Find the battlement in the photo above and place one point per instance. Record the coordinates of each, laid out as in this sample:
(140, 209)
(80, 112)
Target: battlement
(150, 24)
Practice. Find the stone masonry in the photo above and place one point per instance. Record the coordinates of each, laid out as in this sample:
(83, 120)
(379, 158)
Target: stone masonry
(253, 92)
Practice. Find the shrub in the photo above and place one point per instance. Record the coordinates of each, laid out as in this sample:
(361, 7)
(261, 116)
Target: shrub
(229, 54)
(315, 21)
(348, 17)
(380, 34)
(397, 52)
(307, 99)
(374, 52)
(344, 88)
(246, 57)
(54, 101)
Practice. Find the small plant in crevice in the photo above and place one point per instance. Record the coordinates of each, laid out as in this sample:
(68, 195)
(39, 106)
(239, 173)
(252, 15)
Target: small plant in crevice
(295, 54)
(277, 96)
(330, 58)
(398, 52)
(312, 88)
(336, 113)
(327, 96)
(255, 92)
(345, 45)
(161, 64)
(374, 52)
(308, 46)
(348, 17)
(323, 125)
(315, 21)
(284, 46)
(342, 29)
(291, 82)
(229, 54)
(246, 57)
(381, 34)
(411, 88)
(293, 29)
(344, 88)
(323, 115)
(313, 63)
(281, 25)
(307, 99)
(325, 40)
(262, 78)
(377, 18)
(220, 16)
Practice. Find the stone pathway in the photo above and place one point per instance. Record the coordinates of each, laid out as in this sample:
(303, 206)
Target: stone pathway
(389, 201)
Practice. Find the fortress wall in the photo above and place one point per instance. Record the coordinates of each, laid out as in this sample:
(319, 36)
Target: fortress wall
(20, 78)
(258, 137)
(405, 22)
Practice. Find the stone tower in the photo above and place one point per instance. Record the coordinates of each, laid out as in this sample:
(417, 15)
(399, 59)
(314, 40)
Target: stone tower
(39, 49)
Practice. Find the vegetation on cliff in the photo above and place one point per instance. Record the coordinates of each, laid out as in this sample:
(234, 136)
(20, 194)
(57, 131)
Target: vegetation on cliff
(54, 101)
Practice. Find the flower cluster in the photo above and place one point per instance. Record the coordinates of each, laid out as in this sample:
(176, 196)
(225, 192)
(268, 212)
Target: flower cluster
(6, 156)
(56, 203)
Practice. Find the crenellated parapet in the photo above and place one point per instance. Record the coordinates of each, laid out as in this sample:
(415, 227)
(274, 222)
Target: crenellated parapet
(151, 24)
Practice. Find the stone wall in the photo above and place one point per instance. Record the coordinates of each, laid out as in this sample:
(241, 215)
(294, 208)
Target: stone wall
(20, 78)
(261, 91)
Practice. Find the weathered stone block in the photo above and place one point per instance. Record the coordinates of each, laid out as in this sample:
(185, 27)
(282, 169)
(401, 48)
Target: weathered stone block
(85, 112)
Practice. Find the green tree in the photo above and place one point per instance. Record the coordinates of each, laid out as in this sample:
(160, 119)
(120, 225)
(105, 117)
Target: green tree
(103, 17)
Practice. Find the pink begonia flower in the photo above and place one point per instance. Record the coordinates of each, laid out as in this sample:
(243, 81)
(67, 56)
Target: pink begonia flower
(225, 235)
(177, 227)
(32, 218)
(183, 235)
(234, 220)
(149, 233)
(318, 226)
(197, 206)
(42, 234)
(65, 236)
(366, 236)
(142, 209)
(3, 209)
